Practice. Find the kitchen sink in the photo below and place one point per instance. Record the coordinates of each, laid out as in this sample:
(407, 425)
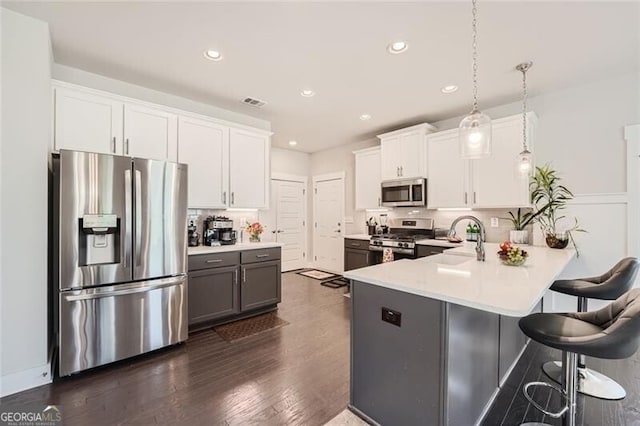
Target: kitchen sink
(447, 259)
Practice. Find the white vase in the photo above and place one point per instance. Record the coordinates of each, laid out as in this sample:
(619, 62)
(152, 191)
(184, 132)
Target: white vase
(519, 237)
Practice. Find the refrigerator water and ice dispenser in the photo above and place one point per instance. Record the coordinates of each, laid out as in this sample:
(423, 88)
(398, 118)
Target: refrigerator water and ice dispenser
(99, 239)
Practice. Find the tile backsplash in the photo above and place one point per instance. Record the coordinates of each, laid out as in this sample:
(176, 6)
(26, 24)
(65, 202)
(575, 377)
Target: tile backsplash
(444, 219)
(239, 219)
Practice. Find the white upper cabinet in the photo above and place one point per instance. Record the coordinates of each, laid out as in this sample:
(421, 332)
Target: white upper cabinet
(368, 178)
(448, 176)
(204, 146)
(404, 152)
(86, 122)
(249, 169)
(494, 178)
(485, 183)
(150, 133)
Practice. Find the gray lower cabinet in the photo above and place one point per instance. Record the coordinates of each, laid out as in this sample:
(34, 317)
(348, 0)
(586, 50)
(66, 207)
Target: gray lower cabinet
(233, 285)
(213, 294)
(357, 254)
(261, 285)
(424, 251)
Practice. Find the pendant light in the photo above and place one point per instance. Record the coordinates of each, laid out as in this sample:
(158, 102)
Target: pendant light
(524, 161)
(474, 132)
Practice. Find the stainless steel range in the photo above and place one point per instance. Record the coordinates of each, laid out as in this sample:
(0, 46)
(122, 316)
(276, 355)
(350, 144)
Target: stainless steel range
(402, 237)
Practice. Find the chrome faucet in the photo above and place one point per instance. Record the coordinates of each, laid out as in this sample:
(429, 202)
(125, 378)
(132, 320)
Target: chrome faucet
(481, 237)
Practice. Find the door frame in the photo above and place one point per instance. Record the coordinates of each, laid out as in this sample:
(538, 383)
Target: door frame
(305, 183)
(632, 136)
(341, 176)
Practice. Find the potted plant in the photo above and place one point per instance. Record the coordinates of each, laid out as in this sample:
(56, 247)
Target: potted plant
(548, 192)
(520, 221)
(254, 229)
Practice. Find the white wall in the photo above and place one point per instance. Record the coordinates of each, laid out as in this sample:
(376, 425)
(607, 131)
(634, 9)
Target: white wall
(96, 81)
(26, 131)
(290, 162)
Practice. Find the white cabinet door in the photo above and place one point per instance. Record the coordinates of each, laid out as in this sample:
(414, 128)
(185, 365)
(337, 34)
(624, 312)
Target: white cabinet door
(391, 157)
(368, 178)
(494, 179)
(248, 169)
(204, 146)
(412, 155)
(448, 176)
(150, 133)
(87, 122)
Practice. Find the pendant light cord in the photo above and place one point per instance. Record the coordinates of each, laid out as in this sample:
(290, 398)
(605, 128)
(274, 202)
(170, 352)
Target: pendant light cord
(524, 108)
(474, 46)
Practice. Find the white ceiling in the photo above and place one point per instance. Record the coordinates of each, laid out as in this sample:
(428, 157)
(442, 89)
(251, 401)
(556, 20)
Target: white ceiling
(274, 50)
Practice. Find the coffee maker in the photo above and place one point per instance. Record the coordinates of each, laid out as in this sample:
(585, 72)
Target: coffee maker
(218, 230)
(193, 234)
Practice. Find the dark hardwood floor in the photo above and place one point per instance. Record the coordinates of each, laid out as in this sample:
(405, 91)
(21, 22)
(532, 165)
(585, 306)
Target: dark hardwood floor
(511, 408)
(296, 374)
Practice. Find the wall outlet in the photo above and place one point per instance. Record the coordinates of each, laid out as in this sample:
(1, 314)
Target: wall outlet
(494, 222)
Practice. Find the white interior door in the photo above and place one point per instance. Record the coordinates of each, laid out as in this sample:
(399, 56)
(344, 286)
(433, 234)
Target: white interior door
(328, 202)
(285, 221)
(290, 219)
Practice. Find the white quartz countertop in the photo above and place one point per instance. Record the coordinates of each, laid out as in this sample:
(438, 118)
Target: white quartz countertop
(457, 277)
(365, 237)
(230, 247)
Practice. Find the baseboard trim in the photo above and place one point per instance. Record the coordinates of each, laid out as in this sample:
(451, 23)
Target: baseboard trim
(26, 379)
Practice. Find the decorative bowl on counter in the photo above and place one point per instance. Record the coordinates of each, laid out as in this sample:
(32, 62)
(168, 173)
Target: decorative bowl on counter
(511, 255)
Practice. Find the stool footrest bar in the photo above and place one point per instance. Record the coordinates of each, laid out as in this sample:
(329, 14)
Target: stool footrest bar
(557, 415)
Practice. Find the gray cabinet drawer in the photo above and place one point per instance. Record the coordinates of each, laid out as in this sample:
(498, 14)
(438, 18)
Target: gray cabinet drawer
(356, 244)
(260, 255)
(213, 260)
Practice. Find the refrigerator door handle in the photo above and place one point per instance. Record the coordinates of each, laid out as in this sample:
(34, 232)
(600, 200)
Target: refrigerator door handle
(132, 289)
(138, 217)
(126, 255)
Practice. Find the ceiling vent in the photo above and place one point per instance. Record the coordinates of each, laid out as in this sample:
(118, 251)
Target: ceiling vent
(254, 102)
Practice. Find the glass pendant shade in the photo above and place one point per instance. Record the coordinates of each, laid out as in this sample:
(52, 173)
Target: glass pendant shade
(524, 164)
(474, 134)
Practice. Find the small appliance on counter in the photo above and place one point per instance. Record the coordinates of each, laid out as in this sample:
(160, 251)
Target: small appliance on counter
(218, 230)
(193, 234)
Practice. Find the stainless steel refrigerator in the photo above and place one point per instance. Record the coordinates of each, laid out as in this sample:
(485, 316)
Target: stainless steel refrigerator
(119, 257)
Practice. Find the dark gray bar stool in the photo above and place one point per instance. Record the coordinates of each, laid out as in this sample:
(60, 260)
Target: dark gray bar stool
(612, 332)
(608, 286)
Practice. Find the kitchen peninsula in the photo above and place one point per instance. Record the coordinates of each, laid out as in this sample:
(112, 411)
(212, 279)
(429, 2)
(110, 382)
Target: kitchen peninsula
(433, 339)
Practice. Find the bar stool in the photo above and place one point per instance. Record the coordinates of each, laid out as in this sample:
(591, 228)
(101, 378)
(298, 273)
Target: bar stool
(612, 332)
(608, 286)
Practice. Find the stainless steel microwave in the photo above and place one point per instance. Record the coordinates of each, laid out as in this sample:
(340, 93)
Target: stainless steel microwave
(404, 193)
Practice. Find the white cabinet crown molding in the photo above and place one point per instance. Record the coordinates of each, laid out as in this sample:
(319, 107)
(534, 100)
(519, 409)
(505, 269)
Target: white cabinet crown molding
(366, 150)
(125, 99)
(428, 128)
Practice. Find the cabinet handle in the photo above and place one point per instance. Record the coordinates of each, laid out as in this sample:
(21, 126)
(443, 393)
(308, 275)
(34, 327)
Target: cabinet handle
(244, 275)
(235, 276)
(474, 197)
(355, 244)
(214, 261)
(233, 198)
(401, 172)
(113, 145)
(379, 202)
(260, 256)
(397, 171)
(465, 198)
(224, 197)
(126, 146)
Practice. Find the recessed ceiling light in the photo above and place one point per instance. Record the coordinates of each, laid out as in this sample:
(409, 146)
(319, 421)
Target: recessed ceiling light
(307, 93)
(365, 117)
(449, 89)
(213, 55)
(397, 47)
(293, 143)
